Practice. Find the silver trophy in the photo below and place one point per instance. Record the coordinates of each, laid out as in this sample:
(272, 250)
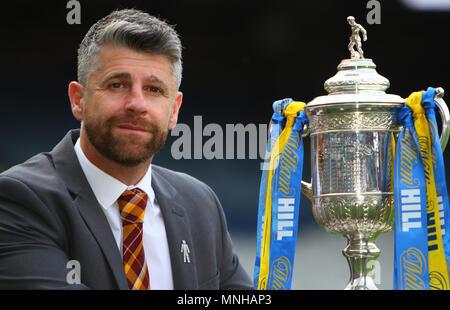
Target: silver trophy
(352, 130)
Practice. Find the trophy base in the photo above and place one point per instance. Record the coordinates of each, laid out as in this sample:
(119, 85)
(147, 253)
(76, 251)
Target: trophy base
(362, 283)
(361, 255)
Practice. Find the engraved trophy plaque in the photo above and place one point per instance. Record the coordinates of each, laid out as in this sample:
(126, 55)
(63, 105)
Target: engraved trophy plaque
(352, 130)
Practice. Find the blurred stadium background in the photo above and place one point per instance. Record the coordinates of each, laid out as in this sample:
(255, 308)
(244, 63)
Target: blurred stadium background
(239, 57)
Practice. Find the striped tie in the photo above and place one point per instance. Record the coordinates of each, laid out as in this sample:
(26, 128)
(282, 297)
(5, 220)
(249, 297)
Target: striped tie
(132, 205)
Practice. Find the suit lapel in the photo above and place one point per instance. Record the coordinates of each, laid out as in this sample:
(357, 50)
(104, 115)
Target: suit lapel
(178, 230)
(98, 225)
(69, 169)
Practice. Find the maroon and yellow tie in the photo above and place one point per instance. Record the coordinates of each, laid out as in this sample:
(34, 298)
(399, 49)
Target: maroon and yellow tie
(132, 205)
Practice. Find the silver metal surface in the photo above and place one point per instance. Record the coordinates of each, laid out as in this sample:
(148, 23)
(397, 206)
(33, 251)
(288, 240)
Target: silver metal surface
(352, 131)
(352, 191)
(356, 76)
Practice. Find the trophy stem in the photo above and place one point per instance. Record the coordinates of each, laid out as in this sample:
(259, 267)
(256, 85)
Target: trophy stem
(361, 256)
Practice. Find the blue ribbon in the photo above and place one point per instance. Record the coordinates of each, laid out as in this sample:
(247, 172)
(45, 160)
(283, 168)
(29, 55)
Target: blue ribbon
(411, 242)
(439, 169)
(285, 200)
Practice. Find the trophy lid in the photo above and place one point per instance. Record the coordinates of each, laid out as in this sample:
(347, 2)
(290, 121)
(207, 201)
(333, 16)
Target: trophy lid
(356, 76)
(356, 81)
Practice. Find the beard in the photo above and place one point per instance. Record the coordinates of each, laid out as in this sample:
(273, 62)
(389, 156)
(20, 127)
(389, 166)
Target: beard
(127, 150)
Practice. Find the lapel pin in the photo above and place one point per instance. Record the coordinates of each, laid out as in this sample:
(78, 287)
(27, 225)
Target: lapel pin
(185, 251)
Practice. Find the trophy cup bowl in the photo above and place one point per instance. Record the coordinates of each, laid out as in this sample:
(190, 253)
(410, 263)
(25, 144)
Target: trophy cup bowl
(353, 130)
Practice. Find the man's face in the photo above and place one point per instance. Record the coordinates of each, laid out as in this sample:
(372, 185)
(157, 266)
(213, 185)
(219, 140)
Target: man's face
(130, 103)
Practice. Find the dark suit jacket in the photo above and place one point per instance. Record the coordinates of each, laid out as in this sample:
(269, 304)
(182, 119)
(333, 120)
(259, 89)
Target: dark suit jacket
(49, 216)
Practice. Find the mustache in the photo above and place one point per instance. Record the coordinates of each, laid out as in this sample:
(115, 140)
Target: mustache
(133, 120)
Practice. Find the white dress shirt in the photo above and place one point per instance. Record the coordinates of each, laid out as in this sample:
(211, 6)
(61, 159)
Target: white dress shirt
(107, 190)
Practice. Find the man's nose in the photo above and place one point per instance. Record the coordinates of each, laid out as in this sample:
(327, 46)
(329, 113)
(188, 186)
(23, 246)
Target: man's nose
(136, 102)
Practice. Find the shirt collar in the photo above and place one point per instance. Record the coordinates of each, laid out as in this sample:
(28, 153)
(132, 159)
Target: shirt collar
(106, 188)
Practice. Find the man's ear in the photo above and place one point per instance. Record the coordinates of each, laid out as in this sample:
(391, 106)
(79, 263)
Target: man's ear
(175, 109)
(76, 96)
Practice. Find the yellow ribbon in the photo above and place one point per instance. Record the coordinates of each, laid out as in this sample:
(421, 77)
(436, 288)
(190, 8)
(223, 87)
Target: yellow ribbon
(290, 113)
(439, 278)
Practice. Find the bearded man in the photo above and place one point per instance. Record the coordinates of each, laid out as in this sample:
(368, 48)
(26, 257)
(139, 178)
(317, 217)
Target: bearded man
(95, 212)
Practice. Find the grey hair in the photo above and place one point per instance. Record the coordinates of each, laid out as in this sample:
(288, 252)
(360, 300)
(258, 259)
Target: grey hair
(134, 29)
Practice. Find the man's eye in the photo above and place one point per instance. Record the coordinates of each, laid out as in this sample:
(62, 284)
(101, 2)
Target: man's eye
(154, 89)
(116, 85)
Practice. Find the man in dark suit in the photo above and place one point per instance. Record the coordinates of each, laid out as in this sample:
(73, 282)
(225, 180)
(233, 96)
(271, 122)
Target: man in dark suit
(94, 212)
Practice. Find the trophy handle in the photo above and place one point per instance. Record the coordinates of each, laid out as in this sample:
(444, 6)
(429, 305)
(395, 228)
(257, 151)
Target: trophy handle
(307, 188)
(445, 116)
